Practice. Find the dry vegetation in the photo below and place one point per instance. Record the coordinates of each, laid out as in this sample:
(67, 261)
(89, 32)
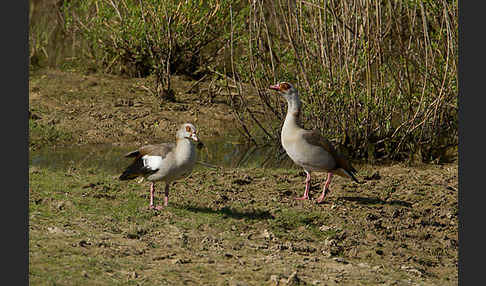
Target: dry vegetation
(380, 79)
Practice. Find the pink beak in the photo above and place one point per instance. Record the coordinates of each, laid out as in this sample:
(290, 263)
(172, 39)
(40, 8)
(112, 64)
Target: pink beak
(194, 137)
(275, 87)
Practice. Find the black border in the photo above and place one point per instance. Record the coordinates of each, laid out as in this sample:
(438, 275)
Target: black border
(14, 116)
(471, 89)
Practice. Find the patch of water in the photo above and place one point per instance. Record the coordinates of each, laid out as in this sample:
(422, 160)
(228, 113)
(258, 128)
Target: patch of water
(110, 158)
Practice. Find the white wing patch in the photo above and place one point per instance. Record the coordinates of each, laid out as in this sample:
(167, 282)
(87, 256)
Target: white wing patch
(152, 162)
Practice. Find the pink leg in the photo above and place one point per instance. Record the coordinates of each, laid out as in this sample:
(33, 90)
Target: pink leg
(151, 205)
(166, 197)
(326, 188)
(307, 186)
(152, 192)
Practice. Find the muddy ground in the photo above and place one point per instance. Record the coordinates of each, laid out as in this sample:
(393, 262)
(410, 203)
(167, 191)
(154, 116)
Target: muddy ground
(227, 226)
(74, 108)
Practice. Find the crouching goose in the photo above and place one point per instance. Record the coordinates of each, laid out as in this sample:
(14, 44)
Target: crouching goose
(307, 148)
(164, 162)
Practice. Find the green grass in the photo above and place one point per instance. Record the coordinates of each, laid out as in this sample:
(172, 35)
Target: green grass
(86, 227)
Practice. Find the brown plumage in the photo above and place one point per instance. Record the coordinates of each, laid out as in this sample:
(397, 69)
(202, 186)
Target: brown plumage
(137, 167)
(315, 138)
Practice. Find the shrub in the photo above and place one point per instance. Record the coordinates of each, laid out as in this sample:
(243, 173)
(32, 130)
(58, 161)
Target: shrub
(140, 38)
(380, 79)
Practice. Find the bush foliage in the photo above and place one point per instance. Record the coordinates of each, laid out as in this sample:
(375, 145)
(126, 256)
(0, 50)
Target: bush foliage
(379, 78)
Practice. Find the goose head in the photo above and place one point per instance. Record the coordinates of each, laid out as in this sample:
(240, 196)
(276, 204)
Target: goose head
(286, 89)
(187, 131)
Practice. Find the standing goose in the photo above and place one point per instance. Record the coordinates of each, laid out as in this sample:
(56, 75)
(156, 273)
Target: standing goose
(307, 148)
(164, 162)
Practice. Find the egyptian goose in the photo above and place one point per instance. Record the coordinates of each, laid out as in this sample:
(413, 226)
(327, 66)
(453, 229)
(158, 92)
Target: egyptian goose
(164, 162)
(307, 148)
